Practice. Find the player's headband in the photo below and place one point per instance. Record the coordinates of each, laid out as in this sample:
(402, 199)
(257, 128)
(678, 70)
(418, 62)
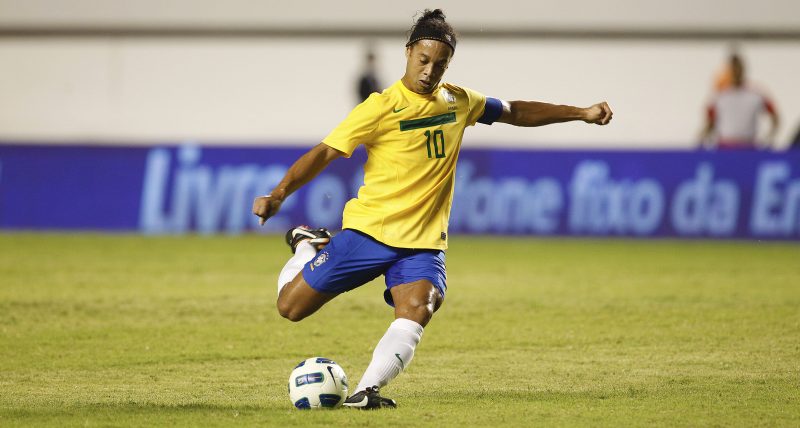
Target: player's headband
(422, 32)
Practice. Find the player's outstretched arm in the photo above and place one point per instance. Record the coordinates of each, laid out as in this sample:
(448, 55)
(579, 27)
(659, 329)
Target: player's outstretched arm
(533, 113)
(301, 172)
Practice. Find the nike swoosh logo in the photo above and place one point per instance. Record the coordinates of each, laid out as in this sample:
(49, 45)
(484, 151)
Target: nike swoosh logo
(361, 403)
(398, 110)
(330, 370)
(402, 364)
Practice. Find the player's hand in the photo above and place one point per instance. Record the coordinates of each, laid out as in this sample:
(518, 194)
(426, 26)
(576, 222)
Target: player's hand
(599, 114)
(265, 207)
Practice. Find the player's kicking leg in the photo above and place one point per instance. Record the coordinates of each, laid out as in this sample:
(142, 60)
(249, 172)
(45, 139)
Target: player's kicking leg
(416, 286)
(296, 299)
(415, 304)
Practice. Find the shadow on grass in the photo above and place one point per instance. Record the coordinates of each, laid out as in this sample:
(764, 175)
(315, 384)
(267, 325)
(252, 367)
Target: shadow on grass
(195, 414)
(415, 399)
(477, 396)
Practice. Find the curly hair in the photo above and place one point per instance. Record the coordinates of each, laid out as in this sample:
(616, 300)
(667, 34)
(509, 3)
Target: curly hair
(432, 25)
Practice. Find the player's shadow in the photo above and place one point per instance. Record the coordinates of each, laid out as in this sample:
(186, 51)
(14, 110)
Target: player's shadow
(488, 396)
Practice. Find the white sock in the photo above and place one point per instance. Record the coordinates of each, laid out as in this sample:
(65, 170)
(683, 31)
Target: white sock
(393, 353)
(303, 253)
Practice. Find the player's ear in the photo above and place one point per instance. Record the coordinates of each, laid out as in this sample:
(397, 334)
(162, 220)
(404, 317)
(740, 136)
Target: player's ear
(408, 52)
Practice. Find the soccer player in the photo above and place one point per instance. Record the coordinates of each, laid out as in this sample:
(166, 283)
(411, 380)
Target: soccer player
(397, 226)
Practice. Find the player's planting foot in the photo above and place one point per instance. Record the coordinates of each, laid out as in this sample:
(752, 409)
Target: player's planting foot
(316, 237)
(369, 399)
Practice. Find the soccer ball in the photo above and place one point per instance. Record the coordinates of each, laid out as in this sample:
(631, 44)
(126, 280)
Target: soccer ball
(317, 383)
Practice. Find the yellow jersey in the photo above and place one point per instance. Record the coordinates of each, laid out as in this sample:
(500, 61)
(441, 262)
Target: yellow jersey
(412, 142)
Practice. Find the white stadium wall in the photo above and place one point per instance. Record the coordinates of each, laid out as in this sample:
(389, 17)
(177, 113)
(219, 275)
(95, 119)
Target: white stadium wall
(577, 14)
(290, 90)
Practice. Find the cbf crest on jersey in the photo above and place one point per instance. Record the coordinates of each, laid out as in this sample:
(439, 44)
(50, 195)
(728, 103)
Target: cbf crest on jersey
(450, 98)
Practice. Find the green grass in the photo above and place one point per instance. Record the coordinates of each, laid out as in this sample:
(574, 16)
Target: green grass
(101, 330)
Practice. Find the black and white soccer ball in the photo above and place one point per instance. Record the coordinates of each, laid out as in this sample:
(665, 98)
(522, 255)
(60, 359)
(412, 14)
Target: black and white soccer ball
(317, 383)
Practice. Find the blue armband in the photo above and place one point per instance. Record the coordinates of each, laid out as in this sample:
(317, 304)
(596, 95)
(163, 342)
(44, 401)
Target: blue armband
(492, 111)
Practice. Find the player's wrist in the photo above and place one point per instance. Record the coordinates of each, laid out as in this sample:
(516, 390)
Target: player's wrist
(278, 193)
(585, 114)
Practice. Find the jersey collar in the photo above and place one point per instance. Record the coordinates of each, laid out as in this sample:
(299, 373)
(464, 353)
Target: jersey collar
(411, 94)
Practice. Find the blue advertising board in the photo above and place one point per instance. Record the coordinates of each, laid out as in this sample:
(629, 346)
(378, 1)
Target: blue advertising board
(190, 188)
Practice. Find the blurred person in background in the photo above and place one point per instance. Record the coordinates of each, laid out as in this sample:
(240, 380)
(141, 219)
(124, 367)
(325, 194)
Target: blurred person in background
(397, 226)
(368, 82)
(732, 115)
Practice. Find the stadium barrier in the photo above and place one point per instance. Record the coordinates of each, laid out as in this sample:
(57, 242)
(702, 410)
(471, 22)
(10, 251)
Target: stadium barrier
(190, 188)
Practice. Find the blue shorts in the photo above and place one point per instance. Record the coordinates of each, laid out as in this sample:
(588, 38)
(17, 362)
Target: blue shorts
(353, 259)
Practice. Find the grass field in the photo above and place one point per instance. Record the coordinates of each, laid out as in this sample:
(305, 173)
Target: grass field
(101, 330)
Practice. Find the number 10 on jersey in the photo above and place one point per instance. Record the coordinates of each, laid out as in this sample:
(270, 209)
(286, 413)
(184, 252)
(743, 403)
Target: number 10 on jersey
(437, 139)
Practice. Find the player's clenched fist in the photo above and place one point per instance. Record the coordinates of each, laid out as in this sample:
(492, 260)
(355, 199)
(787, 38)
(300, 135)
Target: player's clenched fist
(599, 114)
(265, 207)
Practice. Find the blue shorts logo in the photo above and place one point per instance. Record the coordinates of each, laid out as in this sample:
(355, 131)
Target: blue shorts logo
(321, 258)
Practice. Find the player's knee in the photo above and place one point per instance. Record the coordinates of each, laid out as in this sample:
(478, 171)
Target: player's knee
(417, 308)
(289, 311)
(423, 314)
